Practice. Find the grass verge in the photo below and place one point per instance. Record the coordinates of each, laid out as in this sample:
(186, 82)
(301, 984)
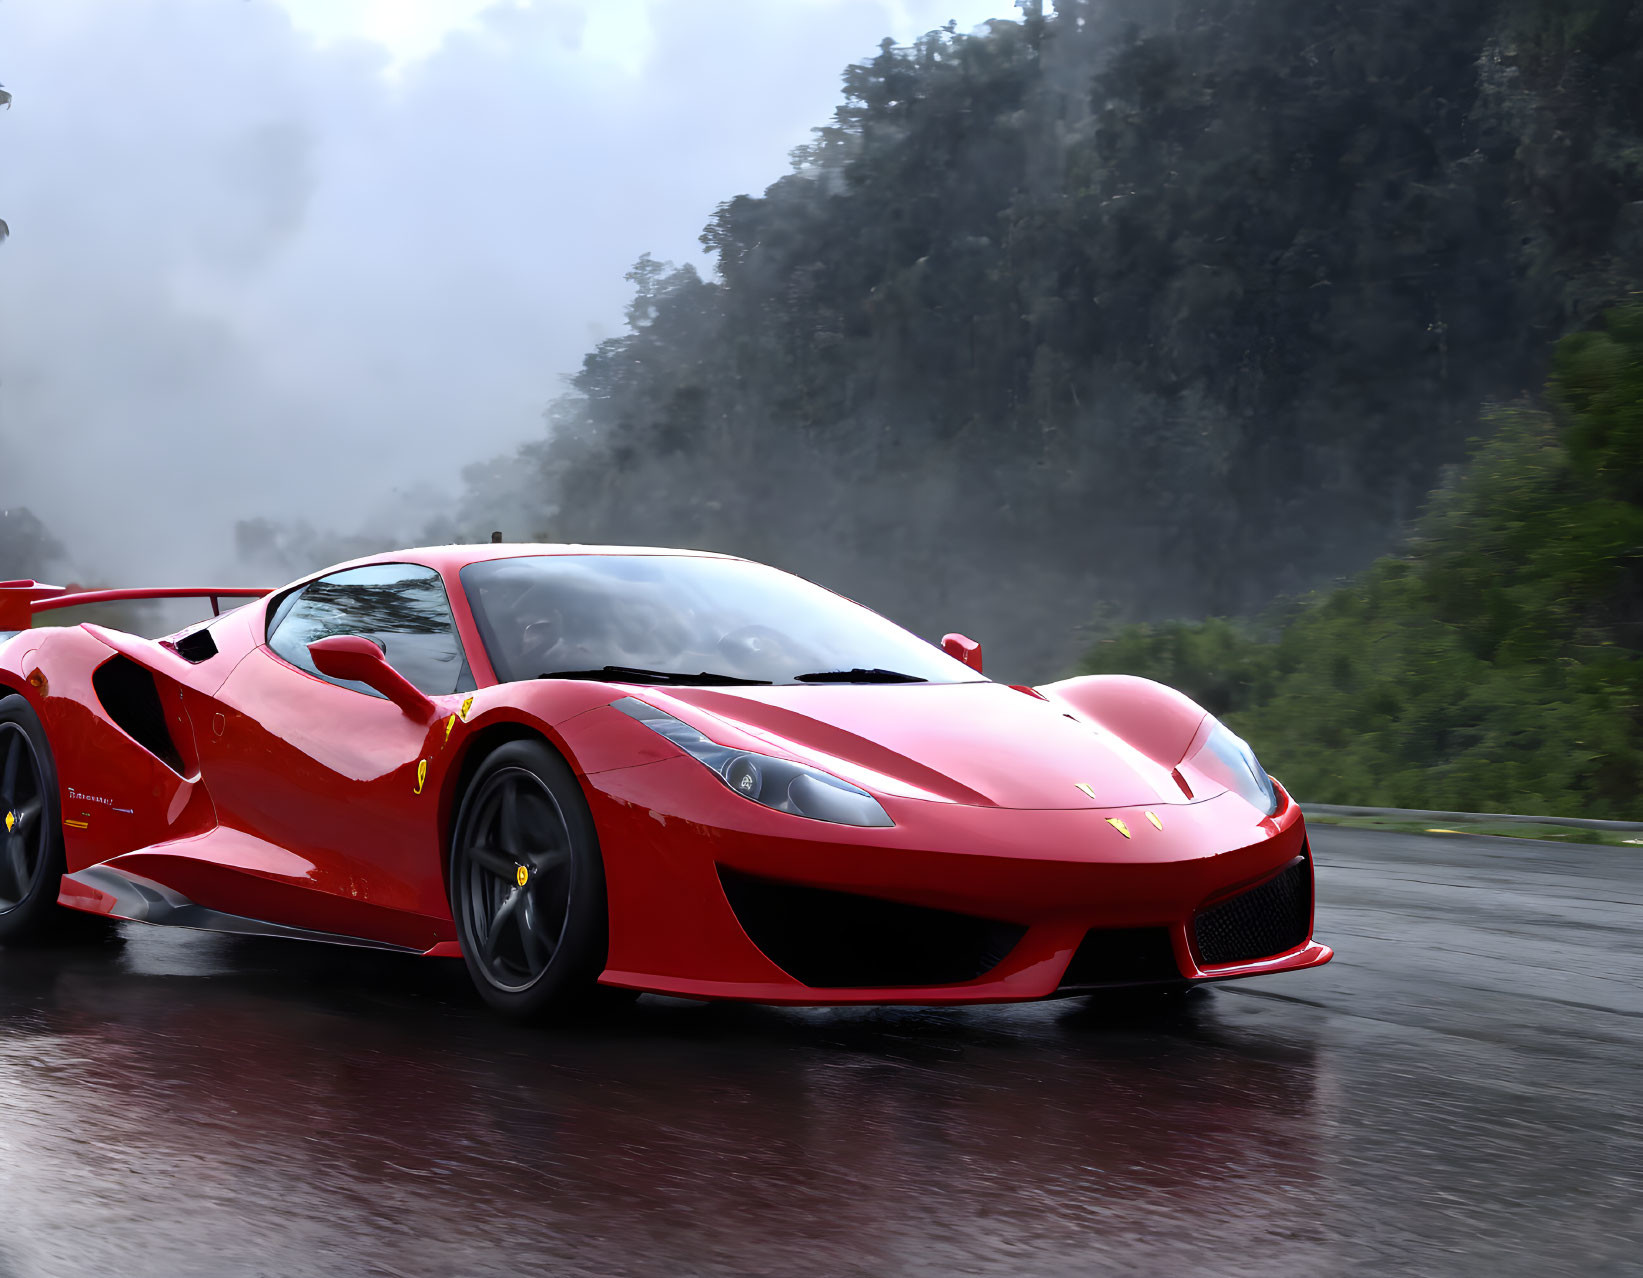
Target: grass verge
(1504, 829)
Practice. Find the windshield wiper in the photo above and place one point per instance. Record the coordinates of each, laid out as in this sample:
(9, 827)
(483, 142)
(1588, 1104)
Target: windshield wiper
(858, 675)
(637, 674)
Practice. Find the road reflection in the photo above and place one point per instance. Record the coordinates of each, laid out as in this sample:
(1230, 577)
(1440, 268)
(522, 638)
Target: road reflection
(167, 1098)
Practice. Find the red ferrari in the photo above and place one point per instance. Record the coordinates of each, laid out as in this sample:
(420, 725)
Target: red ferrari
(652, 770)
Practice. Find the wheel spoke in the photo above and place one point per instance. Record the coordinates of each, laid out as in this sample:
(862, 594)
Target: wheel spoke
(25, 813)
(483, 897)
(8, 773)
(17, 862)
(498, 920)
(535, 959)
(494, 862)
(509, 831)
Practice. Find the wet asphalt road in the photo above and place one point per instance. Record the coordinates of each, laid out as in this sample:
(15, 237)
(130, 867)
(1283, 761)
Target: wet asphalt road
(1460, 1092)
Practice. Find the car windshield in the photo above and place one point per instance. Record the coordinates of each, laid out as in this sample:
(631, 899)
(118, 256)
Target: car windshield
(652, 617)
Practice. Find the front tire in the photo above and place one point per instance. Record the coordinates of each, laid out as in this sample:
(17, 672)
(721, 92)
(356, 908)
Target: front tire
(527, 884)
(31, 827)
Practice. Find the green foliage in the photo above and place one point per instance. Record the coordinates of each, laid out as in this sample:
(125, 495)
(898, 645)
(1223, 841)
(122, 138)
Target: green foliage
(1498, 663)
(1216, 662)
(1177, 303)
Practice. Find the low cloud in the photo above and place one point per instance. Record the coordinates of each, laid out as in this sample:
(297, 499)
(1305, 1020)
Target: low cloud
(251, 275)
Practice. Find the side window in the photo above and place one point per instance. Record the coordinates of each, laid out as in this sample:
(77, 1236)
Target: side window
(401, 607)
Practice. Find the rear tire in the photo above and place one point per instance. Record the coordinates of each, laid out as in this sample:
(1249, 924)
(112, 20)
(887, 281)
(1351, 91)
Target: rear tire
(31, 826)
(527, 884)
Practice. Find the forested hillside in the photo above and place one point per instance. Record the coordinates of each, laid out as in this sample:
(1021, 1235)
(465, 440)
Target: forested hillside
(1496, 663)
(1159, 306)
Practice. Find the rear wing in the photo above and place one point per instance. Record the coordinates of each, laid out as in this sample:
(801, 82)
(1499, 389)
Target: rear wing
(21, 600)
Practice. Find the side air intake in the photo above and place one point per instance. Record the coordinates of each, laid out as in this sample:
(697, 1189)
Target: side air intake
(197, 646)
(838, 940)
(129, 696)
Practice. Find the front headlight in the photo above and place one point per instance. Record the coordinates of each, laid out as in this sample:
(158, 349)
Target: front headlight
(1227, 758)
(776, 783)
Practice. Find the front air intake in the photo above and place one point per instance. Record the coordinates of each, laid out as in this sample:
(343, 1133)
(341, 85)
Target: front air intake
(1110, 956)
(838, 940)
(1270, 919)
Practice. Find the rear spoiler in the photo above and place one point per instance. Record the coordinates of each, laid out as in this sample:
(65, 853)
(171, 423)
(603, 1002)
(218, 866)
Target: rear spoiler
(20, 600)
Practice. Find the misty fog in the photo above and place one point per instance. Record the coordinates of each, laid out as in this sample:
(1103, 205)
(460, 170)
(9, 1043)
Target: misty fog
(253, 275)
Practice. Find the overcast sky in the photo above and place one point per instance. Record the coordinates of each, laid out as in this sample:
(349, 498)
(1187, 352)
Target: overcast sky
(301, 258)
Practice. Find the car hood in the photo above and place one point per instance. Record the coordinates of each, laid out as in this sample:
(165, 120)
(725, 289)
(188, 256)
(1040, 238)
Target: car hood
(977, 743)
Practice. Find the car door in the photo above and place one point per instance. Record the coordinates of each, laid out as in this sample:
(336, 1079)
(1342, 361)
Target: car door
(331, 774)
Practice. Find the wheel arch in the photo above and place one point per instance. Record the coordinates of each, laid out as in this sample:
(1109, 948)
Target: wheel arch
(1156, 719)
(12, 676)
(12, 684)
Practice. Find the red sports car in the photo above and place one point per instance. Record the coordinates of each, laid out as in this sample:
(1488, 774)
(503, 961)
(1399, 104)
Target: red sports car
(645, 769)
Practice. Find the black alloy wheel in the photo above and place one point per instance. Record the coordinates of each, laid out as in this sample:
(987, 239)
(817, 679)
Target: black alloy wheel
(31, 837)
(22, 800)
(519, 878)
(527, 885)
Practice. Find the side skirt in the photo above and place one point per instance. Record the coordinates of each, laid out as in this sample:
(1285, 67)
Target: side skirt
(103, 890)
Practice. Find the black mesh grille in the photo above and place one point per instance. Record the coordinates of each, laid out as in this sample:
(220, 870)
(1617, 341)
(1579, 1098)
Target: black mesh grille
(1122, 956)
(838, 940)
(1266, 920)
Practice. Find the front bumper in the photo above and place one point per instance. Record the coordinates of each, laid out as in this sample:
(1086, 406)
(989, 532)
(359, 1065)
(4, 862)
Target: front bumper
(1054, 881)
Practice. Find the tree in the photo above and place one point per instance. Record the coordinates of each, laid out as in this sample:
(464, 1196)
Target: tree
(1179, 304)
(1496, 664)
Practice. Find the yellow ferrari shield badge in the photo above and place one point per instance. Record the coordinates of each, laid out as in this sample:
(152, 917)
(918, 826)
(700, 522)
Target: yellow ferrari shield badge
(421, 775)
(1119, 826)
(522, 876)
(449, 724)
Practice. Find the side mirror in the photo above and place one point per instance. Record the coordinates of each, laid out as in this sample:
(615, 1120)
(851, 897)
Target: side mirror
(361, 661)
(963, 649)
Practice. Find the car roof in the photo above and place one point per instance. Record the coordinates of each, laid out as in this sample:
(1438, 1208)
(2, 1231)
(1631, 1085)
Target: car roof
(449, 559)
